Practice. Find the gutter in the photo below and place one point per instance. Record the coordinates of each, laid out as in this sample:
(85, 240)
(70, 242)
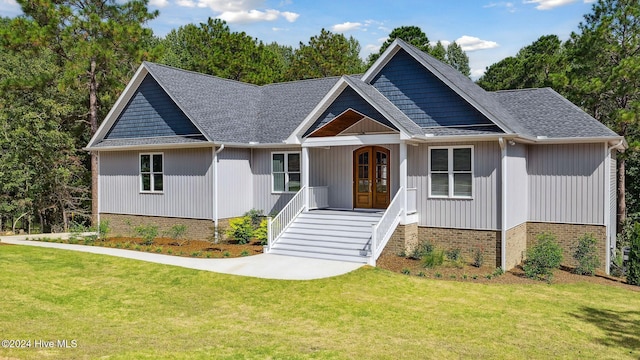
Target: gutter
(215, 189)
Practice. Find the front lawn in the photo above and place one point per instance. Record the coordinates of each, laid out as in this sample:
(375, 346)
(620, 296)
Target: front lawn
(123, 309)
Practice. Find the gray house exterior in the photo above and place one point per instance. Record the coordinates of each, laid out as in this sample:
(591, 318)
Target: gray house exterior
(412, 140)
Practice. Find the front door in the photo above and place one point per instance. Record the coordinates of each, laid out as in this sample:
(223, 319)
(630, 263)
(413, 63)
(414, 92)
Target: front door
(371, 177)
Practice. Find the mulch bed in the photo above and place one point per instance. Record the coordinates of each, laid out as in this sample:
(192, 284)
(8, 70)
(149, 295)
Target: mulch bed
(191, 248)
(487, 275)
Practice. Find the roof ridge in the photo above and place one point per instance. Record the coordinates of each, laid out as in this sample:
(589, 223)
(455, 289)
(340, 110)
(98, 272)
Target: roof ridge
(516, 90)
(200, 74)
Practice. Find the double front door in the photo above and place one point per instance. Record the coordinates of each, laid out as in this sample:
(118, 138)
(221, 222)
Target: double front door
(371, 183)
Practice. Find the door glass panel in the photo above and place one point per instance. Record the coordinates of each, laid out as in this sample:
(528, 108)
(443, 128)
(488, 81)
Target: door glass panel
(363, 159)
(381, 186)
(363, 185)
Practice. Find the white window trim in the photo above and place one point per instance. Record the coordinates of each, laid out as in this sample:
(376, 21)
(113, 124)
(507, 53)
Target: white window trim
(451, 172)
(286, 171)
(142, 191)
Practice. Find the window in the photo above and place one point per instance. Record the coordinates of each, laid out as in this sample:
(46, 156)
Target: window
(285, 171)
(451, 172)
(151, 172)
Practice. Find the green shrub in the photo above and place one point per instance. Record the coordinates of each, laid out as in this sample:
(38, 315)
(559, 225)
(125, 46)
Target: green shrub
(433, 259)
(103, 229)
(424, 248)
(241, 229)
(586, 254)
(255, 216)
(244, 253)
(453, 254)
(261, 233)
(497, 272)
(148, 233)
(406, 271)
(543, 258)
(478, 258)
(633, 273)
(177, 232)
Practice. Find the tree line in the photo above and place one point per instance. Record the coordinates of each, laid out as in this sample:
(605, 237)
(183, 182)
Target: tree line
(597, 68)
(63, 64)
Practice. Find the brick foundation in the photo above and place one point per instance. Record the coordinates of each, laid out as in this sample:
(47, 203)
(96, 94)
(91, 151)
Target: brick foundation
(488, 241)
(516, 245)
(567, 236)
(197, 229)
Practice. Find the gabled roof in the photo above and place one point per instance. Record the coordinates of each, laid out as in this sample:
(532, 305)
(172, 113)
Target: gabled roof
(227, 111)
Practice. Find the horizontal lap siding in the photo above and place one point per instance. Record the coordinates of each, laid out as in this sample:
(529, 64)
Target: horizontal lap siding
(235, 182)
(481, 212)
(334, 168)
(517, 185)
(188, 185)
(566, 183)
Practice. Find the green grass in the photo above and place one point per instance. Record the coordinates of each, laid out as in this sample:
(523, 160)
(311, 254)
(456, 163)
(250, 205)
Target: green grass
(123, 309)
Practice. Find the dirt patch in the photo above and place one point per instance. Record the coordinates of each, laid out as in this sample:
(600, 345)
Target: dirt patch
(191, 248)
(466, 272)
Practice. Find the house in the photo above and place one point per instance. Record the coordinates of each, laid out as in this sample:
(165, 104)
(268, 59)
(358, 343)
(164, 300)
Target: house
(419, 150)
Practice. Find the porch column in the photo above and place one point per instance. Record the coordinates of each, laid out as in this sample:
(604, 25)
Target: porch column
(305, 176)
(403, 180)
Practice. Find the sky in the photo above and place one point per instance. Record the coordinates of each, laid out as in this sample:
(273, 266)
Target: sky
(488, 30)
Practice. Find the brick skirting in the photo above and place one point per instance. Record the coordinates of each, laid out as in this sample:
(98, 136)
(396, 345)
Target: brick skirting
(519, 239)
(124, 225)
(567, 236)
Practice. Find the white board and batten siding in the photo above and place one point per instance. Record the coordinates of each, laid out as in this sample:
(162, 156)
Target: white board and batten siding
(188, 185)
(517, 202)
(482, 212)
(567, 183)
(333, 167)
(235, 182)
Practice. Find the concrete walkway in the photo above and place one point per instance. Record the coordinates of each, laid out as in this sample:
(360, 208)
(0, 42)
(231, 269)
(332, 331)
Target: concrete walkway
(266, 266)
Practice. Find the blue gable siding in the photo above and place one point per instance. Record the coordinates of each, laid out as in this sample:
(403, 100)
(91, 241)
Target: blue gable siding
(349, 99)
(422, 96)
(151, 113)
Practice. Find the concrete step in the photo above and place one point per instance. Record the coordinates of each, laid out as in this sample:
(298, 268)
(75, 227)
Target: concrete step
(315, 255)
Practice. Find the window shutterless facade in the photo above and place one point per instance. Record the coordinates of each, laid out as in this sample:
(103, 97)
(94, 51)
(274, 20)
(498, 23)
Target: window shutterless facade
(451, 172)
(285, 172)
(152, 173)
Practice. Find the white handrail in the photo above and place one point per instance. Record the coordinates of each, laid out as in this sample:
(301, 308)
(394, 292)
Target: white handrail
(382, 231)
(278, 224)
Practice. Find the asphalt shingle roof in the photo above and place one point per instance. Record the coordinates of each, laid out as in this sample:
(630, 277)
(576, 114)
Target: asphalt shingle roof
(234, 112)
(544, 112)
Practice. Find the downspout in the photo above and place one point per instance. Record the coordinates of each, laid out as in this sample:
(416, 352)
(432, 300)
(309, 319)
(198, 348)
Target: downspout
(503, 220)
(98, 192)
(215, 190)
(607, 212)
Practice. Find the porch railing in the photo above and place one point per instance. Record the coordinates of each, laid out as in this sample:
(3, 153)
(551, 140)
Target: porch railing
(278, 224)
(318, 197)
(382, 231)
(412, 200)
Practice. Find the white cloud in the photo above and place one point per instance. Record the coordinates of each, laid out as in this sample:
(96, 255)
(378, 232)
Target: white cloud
(549, 4)
(251, 16)
(371, 48)
(444, 43)
(9, 8)
(347, 26)
(471, 43)
(186, 3)
(503, 4)
(477, 73)
(230, 6)
(290, 16)
(159, 3)
(276, 29)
